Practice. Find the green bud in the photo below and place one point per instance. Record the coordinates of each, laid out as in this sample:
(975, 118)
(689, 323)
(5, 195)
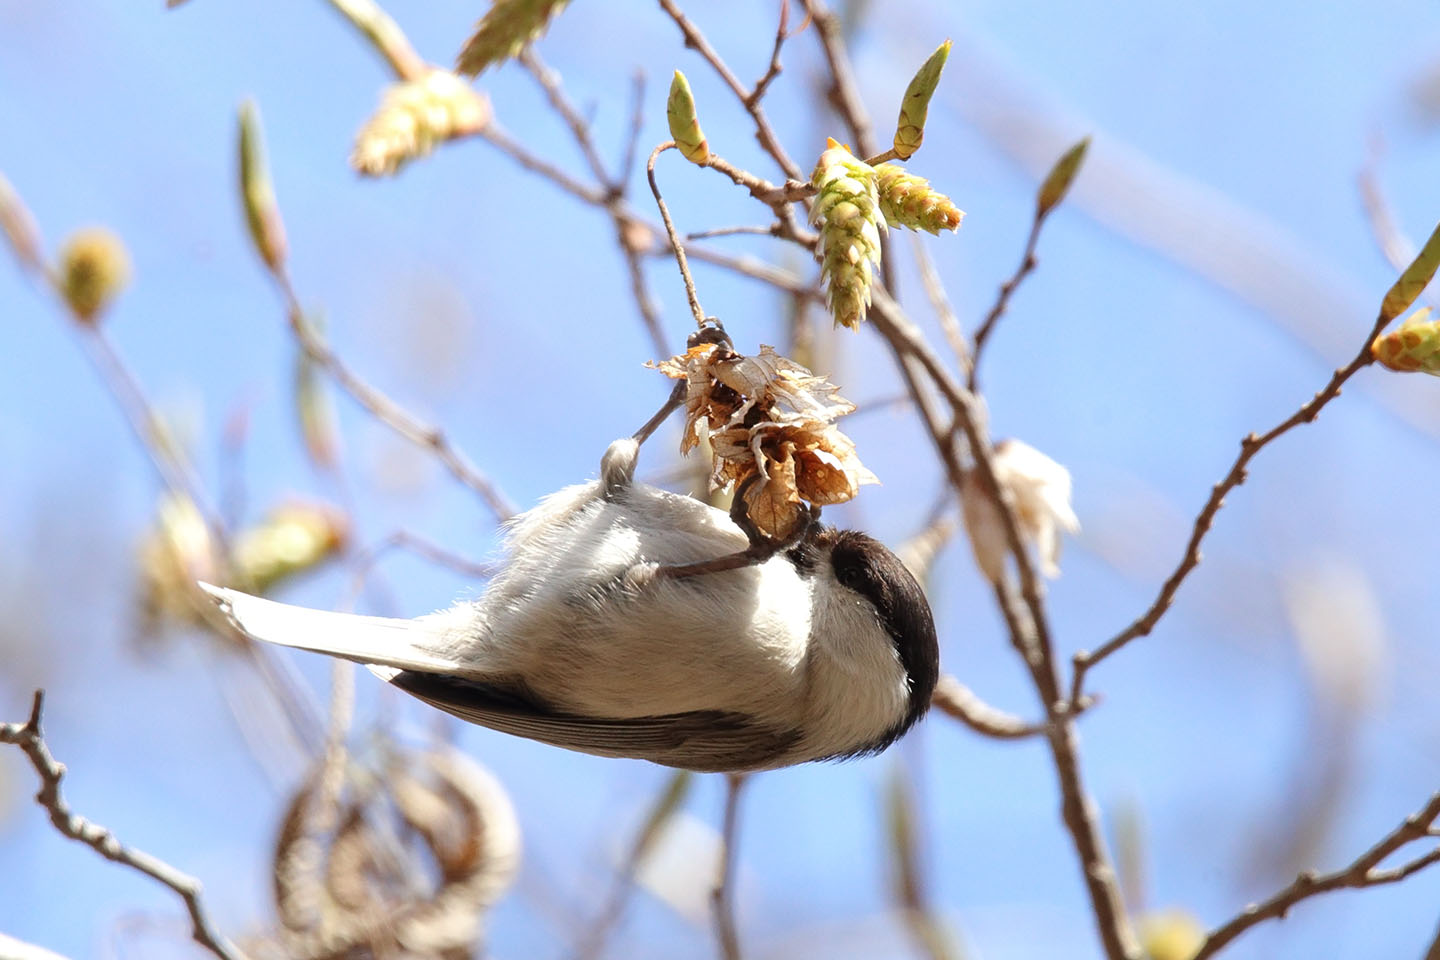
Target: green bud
(262, 212)
(1058, 180)
(1414, 280)
(910, 128)
(684, 124)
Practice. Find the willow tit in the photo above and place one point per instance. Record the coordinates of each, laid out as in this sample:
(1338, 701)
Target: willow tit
(589, 640)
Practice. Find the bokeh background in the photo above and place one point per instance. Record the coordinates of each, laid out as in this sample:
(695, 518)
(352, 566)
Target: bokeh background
(1213, 264)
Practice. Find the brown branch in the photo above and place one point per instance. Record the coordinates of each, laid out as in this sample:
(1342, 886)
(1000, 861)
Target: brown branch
(675, 245)
(955, 700)
(29, 738)
(1027, 264)
(844, 93)
(1364, 871)
(662, 811)
(1084, 660)
(940, 303)
(722, 899)
(771, 230)
(750, 98)
(1433, 951)
(1029, 633)
(1396, 247)
(386, 410)
(757, 93)
(614, 188)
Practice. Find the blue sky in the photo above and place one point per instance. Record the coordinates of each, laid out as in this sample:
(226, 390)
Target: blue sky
(1213, 265)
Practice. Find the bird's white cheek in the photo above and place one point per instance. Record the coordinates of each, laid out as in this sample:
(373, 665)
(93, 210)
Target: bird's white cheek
(859, 689)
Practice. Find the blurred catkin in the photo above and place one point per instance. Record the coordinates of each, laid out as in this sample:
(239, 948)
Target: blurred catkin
(504, 30)
(413, 117)
(93, 269)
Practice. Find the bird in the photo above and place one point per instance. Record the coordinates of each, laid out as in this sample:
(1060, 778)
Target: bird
(610, 629)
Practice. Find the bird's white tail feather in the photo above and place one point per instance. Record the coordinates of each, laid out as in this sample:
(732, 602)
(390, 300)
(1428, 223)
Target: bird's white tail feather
(375, 641)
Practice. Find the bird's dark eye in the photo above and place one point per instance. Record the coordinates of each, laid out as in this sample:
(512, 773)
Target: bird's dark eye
(850, 576)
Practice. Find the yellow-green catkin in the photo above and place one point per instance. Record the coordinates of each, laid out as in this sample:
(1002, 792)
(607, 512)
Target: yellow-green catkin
(1412, 347)
(93, 269)
(504, 31)
(908, 201)
(910, 127)
(684, 122)
(846, 209)
(413, 117)
(1171, 935)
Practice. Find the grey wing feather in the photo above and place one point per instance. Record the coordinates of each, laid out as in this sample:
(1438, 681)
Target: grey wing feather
(700, 740)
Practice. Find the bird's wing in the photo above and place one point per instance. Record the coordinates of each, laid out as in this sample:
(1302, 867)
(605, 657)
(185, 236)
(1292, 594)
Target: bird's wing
(701, 740)
(403, 644)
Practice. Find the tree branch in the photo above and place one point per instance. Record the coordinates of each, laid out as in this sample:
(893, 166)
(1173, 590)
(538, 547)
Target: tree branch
(29, 738)
(1364, 871)
(1252, 444)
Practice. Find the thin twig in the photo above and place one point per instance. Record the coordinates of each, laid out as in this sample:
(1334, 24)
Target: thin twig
(423, 547)
(926, 927)
(1002, 301)
(675, 244)
(1364, 871)
(666, 804)
(750, 98)
(549, 81)
(386, 410)
(29, 738)
(955, 700)
(940, 303)
(844, 93)
(770, 230)
(384, 35)
(1029, 632)
(637, 126)
(1397, 248)
(722, 900)
(614, 187)
(1252, 444)
(757, 93)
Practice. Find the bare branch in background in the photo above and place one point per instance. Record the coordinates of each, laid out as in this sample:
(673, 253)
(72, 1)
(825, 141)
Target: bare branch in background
(750, 98)
(1084, 660)
(667, 803)
(1364, 871)
(387, 411)
(723, 899)
(30, 739)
